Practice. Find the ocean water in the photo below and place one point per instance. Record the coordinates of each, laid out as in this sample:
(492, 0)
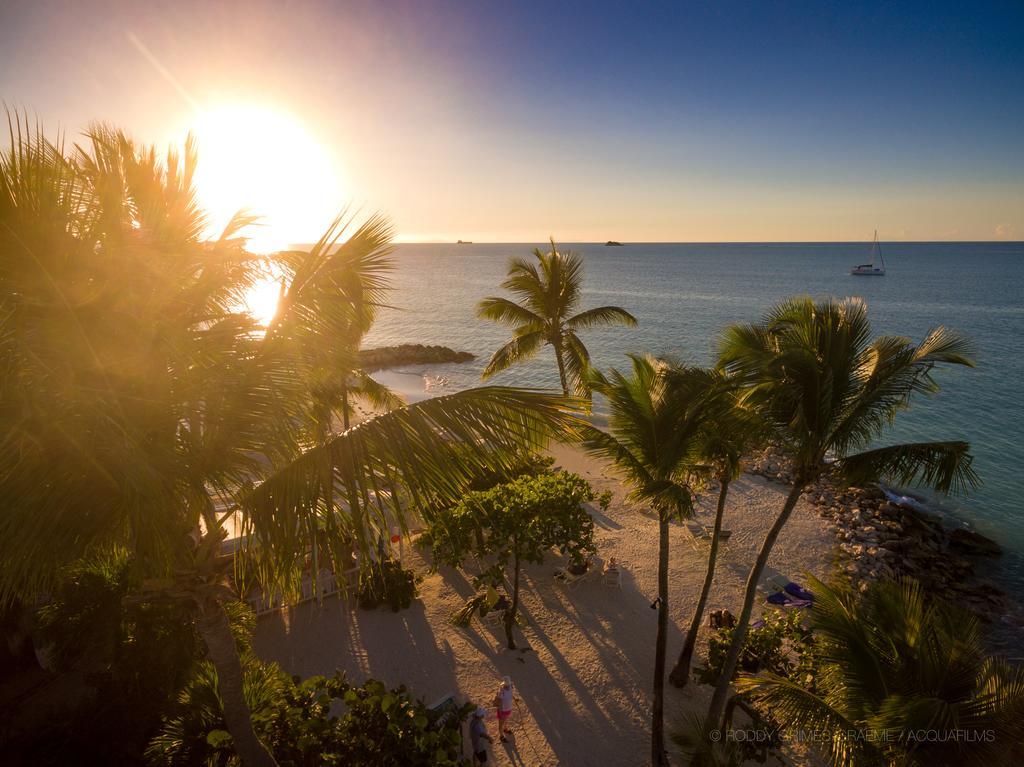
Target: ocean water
(683, 295)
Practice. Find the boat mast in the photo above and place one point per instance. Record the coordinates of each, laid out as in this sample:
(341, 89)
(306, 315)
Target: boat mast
(877, 248)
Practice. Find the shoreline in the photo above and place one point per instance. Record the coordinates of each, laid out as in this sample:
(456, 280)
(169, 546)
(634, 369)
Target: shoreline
(880, 534)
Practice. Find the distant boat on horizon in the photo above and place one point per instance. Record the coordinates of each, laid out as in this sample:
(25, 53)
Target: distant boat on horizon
(464, 242)
(869, 269)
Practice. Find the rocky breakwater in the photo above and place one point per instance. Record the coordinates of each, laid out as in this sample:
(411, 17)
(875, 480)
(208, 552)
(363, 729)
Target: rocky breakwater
(385, 357)
(877, 538)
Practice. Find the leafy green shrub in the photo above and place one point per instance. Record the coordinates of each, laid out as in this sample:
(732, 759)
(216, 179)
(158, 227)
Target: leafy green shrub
(389, 728)
(377, 728)
(604, 500)
(388, 583)
(133, 656)
(778, 645)
(532, 465)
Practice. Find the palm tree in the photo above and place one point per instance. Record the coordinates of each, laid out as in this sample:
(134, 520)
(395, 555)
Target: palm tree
(141, 407)
(827, 391)
(730, 430)
(654, 422)
(891, 663)
(548, 293)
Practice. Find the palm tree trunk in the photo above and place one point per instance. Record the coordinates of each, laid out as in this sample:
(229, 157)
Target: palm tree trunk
(212, 622)
(561, 369)
(344, 407)
(658, 709)
(681, 672)
(510, 613)
(739, 634)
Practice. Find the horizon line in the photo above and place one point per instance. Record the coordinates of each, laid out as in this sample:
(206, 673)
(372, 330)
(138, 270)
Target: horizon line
(699, 242)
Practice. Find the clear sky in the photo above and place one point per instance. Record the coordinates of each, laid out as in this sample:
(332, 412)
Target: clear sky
(719, 121)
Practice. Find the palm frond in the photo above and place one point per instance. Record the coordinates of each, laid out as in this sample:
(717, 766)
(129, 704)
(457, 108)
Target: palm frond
(800, 709)
(518, 349)
(390, 468)
(502, 310)
(601, 316)
(577, 364)
(376, 393)
(946, 466)
(336, 286)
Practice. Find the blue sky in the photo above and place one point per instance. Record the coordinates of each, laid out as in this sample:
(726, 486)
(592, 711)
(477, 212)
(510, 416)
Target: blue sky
(639, 121)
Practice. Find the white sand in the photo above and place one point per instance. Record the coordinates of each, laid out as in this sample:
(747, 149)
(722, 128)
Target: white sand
(584, 685)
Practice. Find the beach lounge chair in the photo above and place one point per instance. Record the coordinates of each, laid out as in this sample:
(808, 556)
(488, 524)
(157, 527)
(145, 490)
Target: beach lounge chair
(611, 575)
(494, 617)
(786, 593)
(782, 599)
(701, 534)
(570, 580)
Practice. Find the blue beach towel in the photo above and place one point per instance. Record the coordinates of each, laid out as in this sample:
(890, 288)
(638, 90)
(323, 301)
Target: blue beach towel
(799, 592)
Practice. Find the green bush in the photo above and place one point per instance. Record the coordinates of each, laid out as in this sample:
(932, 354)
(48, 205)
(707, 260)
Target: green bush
(133, 655)
(779, 645)
(387, 583)
(377, 727)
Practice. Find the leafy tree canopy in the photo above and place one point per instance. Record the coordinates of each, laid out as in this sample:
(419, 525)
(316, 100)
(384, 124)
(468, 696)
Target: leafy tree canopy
(521, 519)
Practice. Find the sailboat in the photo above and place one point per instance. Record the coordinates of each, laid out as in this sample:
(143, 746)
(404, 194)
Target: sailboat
(870, 269)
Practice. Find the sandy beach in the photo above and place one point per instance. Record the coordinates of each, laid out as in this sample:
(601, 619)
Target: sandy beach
(584, 677)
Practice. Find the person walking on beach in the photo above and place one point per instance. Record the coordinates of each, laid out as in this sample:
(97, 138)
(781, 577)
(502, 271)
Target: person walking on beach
(478, 734)
(503, 702)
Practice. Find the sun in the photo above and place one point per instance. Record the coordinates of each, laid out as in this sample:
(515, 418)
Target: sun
(261, 300)
(267, 162)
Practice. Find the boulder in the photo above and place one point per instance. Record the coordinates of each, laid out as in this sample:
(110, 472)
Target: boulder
(976, 544)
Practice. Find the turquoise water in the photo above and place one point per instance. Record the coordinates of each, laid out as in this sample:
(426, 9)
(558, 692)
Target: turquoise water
(684, 294)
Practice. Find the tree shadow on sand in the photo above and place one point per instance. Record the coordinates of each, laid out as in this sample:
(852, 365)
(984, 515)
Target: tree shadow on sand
(397, 648)
(625, 659)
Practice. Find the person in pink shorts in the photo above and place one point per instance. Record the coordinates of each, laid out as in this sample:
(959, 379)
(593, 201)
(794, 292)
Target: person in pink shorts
(503, 702)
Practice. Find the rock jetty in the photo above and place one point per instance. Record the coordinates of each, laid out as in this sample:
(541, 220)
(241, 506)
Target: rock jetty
(877, 538)
(385, 357)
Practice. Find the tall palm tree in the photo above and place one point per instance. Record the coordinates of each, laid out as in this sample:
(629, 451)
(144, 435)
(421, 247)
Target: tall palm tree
(548, 293)
(655, 417)
(141, 407)
(731, 428)
(828, 391)
(893, 664)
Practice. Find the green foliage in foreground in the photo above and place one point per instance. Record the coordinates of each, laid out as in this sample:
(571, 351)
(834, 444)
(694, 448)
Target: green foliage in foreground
(377, 726)
(512, 523)
(133, 656)
(900, 679)
(387, 583)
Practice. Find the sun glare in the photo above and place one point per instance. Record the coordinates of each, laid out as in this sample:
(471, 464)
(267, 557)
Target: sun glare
(267, 162)
(261, 300)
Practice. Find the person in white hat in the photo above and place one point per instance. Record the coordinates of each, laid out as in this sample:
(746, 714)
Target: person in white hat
(503, 702)
(478, 734)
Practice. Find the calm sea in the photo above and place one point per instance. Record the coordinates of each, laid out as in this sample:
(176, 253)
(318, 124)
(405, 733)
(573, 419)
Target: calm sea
(684, 294)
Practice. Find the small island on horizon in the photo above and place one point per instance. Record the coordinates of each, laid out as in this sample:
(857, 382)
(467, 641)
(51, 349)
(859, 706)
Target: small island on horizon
(613, 242)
